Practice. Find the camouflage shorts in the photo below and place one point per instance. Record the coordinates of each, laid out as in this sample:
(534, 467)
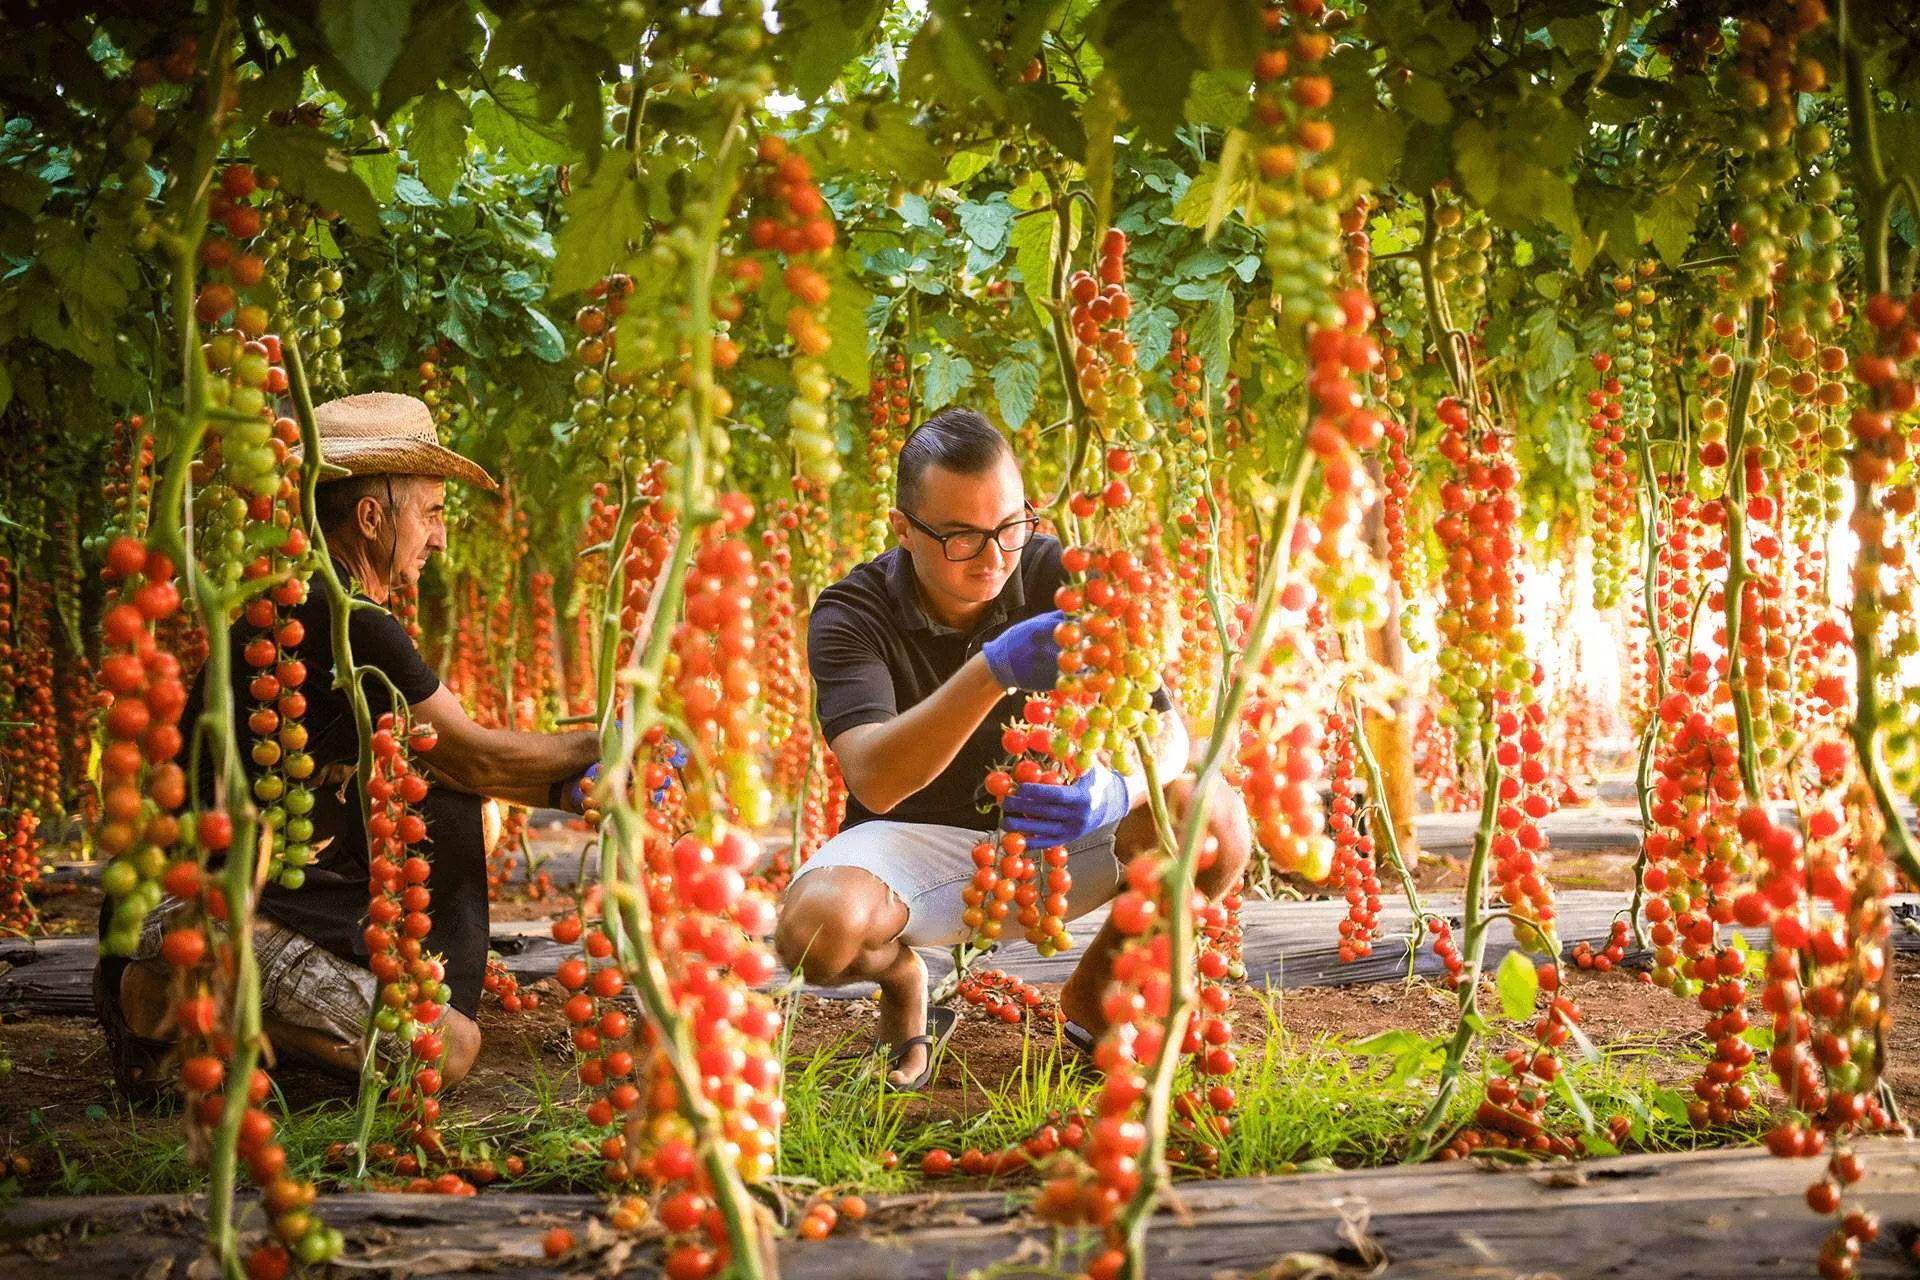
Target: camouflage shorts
(302, 984)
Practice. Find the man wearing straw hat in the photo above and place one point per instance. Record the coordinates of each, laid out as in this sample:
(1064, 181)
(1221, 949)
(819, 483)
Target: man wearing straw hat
(381, 505)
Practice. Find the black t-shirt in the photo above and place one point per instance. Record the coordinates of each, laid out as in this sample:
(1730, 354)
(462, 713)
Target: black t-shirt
(331, 906)
(873, 651)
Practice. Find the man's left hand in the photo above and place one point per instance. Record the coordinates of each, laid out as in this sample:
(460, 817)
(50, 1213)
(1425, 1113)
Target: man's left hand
(1049, 815)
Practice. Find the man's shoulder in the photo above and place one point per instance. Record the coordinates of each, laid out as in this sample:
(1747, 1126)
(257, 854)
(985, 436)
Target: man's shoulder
(863, 590)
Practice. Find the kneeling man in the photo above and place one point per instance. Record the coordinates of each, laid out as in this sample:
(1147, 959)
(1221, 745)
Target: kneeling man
(913, 655)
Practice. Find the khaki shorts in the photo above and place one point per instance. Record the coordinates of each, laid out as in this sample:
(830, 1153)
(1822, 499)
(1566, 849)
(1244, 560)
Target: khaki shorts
(926, 867)
(302, 984)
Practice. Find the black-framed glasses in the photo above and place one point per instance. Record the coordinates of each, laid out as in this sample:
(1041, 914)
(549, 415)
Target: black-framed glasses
(969, 543)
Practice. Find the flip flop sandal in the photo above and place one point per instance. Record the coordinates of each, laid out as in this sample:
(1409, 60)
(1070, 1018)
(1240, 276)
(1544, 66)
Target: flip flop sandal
(138, 1060)
(941, 1022)
(1078, 1038)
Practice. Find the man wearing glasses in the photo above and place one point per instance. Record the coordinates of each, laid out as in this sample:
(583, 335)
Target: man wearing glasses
(919, 657)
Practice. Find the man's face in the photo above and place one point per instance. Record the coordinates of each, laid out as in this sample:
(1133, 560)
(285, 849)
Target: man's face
(419, 528)
(952, 503)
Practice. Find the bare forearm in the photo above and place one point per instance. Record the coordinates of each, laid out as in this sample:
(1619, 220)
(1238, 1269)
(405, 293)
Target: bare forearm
(520, 767)
(883, 764)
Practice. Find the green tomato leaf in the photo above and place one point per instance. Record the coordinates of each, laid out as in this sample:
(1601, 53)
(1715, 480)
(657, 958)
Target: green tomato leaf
(606, 213)
(1227, 33)
(1016, 385)
(1517, 985)
(438, 141)
(946, 375)
(820, 37)
(509, 117)
(367, 36)
(987, 224)
(1218, 99)
(543, 337)
(1153, 60)
(1150, 330)
(1035, 237)
(315, 167)
(849, 356)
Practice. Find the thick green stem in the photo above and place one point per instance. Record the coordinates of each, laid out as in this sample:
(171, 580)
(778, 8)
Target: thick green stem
(340, 606)
(1735, 505)
(171, 532)
(1176, 885)
(1650, 736)
(1474, 953)
(1176, 888)
(624, 902)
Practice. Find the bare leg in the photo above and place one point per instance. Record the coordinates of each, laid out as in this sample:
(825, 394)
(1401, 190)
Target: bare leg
(145, 999)
(840, 925)
(1232, 841)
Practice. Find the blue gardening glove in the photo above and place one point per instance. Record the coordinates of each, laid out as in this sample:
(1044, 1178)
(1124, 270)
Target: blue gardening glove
(580, 787)
(1049, 816)
(1025, 656)
(674, 762)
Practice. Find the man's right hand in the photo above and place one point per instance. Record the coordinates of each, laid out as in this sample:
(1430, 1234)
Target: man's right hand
(1025, 655)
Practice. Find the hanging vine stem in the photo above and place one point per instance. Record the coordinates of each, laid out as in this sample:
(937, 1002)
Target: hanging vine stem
(1057, 304)
(1735, 506)
(340, 606)
(1474, 923)
(1389, 839)
(1877, 194)
(1474, 952)
(1650, 736)
(1176, 883)
(170, 530)
(624, 903)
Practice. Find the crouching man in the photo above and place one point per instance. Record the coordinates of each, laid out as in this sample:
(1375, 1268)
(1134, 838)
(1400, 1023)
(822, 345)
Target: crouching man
(382, 521)
(913, 655)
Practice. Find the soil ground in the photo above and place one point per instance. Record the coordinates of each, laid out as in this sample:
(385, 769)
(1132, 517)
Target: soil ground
(59, 1080)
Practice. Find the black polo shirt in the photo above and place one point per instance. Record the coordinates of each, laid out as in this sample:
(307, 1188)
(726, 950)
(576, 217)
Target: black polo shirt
(873, 651)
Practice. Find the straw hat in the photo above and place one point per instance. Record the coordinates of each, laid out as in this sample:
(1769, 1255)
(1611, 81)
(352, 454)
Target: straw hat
(379, 433)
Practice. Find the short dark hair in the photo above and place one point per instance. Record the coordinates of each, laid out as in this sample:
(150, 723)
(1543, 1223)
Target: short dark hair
(960, 440)
(334, 501)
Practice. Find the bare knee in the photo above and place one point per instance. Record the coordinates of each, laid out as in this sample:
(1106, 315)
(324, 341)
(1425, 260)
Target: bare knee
(144, 993)
(829, 918)
(1228, 839)
(461, 1035)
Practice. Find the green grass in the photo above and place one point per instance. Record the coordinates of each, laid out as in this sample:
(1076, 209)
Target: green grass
(1333, 1101)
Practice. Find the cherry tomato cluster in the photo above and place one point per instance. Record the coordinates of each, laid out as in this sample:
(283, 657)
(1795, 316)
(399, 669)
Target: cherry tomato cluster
(1611, 954)
(279, 748)
(1614, 494)
(1281, 765)
(506, 988)
(889, 415)
(1295, 199)
(141, 786)
(791, 218)
(824, 1214)
(715, 647)
(785, 700)
(198, 953)
(1519, 846)
(413, 990)
(1003, 996)
(1354, 873)
(1007, 879)
(1103, 359)
(707, 923)
(1484, 664)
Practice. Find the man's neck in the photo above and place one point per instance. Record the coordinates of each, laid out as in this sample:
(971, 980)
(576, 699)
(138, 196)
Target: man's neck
(357, 568)
(959, 621)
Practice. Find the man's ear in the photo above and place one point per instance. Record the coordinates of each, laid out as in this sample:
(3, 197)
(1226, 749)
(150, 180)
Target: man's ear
(368, 517)
(898, 523)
